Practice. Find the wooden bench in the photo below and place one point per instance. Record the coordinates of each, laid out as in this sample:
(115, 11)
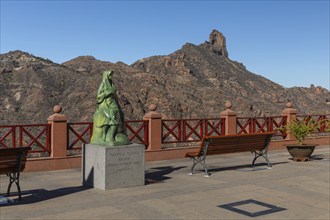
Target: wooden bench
(12, 162)
(257, 143)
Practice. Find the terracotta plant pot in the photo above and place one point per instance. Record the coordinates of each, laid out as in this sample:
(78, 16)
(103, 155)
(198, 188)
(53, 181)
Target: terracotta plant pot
(301, 153)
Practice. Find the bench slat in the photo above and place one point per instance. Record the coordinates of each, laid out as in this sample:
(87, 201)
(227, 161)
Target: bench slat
(228, 151)
(5, 169)
(243, 142)
(9, 158)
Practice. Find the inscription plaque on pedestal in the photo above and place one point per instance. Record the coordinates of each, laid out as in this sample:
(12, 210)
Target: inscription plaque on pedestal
(107, 167)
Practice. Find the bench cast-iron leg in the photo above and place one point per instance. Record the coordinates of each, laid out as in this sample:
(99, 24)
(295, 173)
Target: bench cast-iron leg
(200, 160)
(263, 154)
(14, 178)
(193, 166)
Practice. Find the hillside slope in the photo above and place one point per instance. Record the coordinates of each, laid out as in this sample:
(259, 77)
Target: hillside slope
(193, 82)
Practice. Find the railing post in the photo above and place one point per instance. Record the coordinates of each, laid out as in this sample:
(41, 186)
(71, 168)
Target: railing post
(58, 139)
(13, 136)
(291, 115)
(230, 119)
(155, 128)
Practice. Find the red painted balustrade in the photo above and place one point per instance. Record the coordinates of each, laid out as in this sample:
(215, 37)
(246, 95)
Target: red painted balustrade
(173, 131)
(248, 125)
(36, 136)
(321, 122)
(190, 130)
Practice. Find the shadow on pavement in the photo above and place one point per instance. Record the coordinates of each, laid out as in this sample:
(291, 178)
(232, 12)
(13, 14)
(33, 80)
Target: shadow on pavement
(258, 166)
(38, 195)
(319, 157)
(158, 174)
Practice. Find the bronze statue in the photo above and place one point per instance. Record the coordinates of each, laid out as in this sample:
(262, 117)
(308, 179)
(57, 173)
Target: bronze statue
(109, 128)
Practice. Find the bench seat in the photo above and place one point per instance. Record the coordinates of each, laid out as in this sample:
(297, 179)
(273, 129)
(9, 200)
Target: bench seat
(210, 145)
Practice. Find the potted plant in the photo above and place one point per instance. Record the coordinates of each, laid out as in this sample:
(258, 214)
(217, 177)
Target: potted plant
(300, 130)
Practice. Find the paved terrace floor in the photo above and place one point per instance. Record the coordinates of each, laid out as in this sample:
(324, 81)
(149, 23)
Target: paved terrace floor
(290, 190)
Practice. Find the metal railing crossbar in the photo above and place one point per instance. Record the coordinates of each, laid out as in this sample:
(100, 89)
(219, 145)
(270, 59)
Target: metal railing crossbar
(78, 137)
(34, 139)
(11, 131)
(171, 130)
(135, 133)
(193, 130)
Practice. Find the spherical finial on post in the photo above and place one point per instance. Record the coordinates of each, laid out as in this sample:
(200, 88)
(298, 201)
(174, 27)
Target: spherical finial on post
(57, 109)
(289, 105)
(56, 117)
(228, 105)
(152, 107)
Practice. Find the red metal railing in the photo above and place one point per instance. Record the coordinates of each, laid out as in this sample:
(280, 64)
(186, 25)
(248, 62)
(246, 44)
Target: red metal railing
(138, 131)
(36, 136)
(81, 132)
(246, 125)
(191, 130)
(78, 133)
(322, 122)
(173, 131)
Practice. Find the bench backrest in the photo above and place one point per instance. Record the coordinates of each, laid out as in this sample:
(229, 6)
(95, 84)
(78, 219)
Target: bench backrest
(13, 159)
(235, 143)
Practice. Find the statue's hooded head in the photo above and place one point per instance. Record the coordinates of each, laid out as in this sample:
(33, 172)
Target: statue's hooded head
(107, 74)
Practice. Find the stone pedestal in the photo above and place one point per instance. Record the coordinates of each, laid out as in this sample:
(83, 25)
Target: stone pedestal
(107, 167)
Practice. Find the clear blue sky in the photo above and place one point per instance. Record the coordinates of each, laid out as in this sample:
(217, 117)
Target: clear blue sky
(284, 41)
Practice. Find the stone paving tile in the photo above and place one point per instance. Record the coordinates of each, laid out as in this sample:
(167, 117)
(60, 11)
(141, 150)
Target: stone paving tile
(289, 196)
(322, 216)
(317, 186)
(298, 210)
(86, 213)
(196, 208)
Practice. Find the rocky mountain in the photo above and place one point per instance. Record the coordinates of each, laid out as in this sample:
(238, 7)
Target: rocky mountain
(193, 82)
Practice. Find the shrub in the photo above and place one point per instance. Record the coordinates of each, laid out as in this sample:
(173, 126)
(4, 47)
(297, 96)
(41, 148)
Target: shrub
(301, 129)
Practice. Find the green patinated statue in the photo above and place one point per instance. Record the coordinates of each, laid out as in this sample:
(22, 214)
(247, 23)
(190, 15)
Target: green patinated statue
(108, 128)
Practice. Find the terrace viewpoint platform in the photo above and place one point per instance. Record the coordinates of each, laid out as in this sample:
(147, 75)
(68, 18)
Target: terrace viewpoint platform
(290, 190)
